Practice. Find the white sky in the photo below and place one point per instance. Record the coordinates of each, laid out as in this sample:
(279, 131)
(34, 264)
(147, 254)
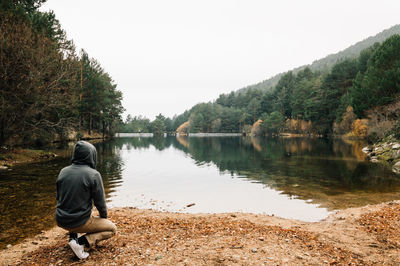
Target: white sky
(168, 55)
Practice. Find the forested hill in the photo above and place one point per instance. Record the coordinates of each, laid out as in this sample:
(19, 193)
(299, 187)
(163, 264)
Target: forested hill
(358, 96)
(327, 62)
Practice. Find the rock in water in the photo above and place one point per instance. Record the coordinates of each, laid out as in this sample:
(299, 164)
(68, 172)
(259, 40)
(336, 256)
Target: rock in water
(396, 168)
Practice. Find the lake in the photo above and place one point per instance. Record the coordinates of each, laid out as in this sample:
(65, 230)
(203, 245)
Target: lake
(304, 179)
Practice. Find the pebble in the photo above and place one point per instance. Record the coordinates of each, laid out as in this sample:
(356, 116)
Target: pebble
(9, 246)
(254, 250)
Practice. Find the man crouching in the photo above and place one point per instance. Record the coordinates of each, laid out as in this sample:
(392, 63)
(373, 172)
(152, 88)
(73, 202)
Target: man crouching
(78, 187)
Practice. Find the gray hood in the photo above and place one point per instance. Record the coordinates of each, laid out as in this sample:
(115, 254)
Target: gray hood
(84, 154)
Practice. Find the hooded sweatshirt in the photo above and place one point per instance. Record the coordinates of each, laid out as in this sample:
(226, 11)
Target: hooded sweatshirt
(78, 187)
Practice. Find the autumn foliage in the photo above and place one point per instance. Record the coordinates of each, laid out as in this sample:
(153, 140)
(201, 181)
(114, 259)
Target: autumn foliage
(183, 129)
(366, 236)
(256, 129)
(298, 126)
(360, 128)
(383, 120)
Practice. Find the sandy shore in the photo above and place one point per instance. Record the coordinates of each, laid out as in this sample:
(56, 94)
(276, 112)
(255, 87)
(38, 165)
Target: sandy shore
(369, 235)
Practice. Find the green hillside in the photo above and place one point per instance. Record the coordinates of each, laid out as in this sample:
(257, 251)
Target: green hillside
(326, 63)
(355, 93)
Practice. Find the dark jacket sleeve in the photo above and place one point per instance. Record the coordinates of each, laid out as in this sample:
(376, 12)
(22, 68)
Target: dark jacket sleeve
(98, 195)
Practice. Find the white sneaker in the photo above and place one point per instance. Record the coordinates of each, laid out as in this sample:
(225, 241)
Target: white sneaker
(78, 249)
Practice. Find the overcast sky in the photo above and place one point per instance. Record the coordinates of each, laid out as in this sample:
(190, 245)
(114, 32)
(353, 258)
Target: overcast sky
(168, 55)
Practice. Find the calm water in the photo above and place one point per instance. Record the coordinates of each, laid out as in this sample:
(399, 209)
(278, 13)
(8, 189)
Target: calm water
(303, 179)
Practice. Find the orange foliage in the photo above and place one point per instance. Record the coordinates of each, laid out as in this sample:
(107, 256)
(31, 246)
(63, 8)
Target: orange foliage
(346, 125)
(183, 129)
(305, 126)
(360, 127)
(298, 126)
(256, 129)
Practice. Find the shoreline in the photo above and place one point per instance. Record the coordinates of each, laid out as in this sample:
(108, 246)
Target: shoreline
(17, 156)
(366, 235)
(385, 152)
(10, 157)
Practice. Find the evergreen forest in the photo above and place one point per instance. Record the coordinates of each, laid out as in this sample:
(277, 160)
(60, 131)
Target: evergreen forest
(356, 96)
(48, 91)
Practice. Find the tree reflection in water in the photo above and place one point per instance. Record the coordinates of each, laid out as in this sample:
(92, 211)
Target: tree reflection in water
(332, 173)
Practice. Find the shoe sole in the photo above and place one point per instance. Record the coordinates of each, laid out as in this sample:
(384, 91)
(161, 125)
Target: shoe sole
(85, 254)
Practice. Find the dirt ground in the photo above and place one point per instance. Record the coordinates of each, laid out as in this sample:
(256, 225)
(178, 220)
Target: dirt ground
(364, 236)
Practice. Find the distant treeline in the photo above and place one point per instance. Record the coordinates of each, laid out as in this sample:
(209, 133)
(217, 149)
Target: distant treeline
(47, 91)
(356, 96)
(140, 124)
(313, 102)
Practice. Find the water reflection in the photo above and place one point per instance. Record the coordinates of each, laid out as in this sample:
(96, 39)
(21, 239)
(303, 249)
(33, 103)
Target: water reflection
(332, 173)
(27, 200)
(292, 178)
(28, 195)
(110, 165)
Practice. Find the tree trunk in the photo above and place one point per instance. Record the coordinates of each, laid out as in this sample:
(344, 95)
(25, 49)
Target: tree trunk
(2, 138)
(103, 128)
(90, 123)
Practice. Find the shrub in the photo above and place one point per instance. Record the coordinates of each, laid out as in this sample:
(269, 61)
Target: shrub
(78, 135)
(256, 129)
(396, 130)
(346, 125)
(360, 128)
(383, 121)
